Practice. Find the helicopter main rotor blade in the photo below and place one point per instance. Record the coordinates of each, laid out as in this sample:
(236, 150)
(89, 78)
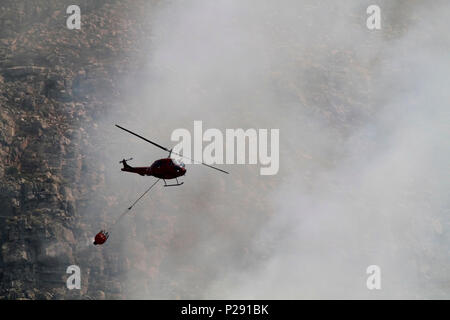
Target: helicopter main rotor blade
(165, 149)
(199, 162)
(135, 134)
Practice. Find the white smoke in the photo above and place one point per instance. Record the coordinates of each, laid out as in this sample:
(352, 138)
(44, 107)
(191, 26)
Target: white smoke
(363, 119)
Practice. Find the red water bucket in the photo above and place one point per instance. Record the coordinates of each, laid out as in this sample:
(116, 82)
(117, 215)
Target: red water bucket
(101, 237)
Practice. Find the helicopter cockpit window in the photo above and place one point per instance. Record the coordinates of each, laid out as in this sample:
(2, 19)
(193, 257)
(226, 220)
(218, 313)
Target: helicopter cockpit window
(158, 163)
(178, 163)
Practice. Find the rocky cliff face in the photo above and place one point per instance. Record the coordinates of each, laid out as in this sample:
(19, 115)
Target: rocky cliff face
(54, 83)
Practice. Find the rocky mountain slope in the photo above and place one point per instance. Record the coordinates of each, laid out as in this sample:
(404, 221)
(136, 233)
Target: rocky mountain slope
(53, 84)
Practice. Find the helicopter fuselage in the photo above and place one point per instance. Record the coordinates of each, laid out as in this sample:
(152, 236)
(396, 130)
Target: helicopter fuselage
(166, 169)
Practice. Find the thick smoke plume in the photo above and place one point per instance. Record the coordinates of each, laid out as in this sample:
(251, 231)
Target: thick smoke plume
(363, 118)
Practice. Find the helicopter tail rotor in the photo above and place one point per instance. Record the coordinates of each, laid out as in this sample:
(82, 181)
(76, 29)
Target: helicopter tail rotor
(125, 164)
(125, 160)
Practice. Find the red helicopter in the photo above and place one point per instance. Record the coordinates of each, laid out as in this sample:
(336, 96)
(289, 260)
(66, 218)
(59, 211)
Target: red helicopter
(165, 169)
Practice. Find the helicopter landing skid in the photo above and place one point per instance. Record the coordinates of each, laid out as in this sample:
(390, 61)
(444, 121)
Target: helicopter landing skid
(172, 185)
